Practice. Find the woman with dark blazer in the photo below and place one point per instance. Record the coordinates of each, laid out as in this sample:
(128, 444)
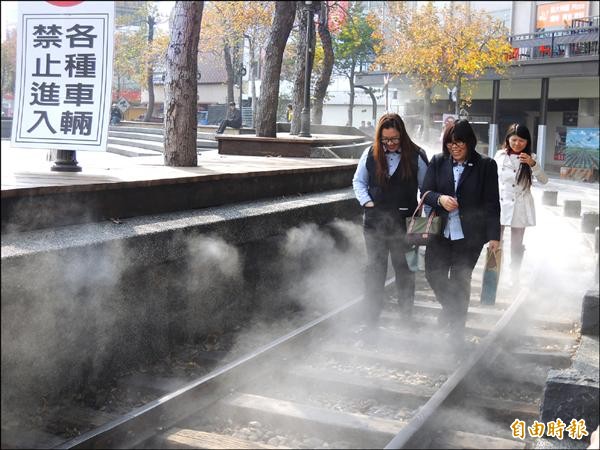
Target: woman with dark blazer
(464, 193)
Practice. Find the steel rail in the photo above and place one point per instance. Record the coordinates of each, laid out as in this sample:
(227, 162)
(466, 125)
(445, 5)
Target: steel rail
(409, 434)
(142, 423)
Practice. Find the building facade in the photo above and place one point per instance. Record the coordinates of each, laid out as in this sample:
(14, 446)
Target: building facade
(552, 84)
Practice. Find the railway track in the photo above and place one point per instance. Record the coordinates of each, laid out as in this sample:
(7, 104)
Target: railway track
(325, 385)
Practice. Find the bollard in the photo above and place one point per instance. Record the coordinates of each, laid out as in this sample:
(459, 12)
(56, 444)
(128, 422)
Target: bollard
(572, 208)
(589, 314)
(549, 198)
(589, 221)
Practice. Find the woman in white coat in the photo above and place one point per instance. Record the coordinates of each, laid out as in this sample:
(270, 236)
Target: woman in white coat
(516, 168)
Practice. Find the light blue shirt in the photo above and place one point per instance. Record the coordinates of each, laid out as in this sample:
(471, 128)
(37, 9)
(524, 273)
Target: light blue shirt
(360, 182)
(453, 230)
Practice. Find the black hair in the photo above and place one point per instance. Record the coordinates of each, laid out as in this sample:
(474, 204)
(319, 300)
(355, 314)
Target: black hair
(408, 147)
(523, 176)
(462, 131)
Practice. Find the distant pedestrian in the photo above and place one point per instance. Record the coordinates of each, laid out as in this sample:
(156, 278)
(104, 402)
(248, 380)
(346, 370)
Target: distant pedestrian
(233, 119)
(363, 127)
(516, 168)
(289, 114)
(115, 114)
(385, 184)
(464, 193)
(449, 120)
(369, 129)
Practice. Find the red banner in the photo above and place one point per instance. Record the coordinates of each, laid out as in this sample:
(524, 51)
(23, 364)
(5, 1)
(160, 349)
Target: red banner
(560, 14)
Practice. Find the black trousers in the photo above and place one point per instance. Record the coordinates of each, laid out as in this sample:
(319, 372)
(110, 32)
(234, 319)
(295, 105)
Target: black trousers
(228, 123)
(448, 269)
(385, 236)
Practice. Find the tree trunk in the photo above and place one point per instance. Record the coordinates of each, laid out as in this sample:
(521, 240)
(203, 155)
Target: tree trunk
(252, 78)
(150, 74)
(323, 82)
(283, 21)
(300, 70)
(426, 114)
(230, 73)
(181, 87)
(351, 105)
(373, 99)
(238, 62)
(118, 87)
(457, 105)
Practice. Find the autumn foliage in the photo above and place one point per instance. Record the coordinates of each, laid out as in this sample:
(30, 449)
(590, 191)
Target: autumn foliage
(442, 47)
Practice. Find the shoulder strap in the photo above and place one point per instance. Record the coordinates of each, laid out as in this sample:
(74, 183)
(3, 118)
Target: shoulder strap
(420, 206)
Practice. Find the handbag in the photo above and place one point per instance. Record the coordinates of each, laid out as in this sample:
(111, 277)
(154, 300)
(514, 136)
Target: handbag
(491, 276)
(422, 230)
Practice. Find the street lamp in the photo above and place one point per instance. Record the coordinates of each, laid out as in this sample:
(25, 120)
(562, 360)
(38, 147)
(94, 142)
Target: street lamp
(305, 114)
(242, 74)
(65, 161)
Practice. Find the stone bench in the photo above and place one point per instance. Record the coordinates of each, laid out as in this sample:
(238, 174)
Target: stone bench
(285, 145)
(228, 130)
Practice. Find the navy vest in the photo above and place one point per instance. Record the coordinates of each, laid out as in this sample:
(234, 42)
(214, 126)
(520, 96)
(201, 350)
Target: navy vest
(398, 193)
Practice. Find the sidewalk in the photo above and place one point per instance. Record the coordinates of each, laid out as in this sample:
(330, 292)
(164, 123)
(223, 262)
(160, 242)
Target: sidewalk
(113, 186)
(564, 254)
(27, 168)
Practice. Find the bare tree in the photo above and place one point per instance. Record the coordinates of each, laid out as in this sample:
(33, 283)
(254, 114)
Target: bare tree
(369, 90)
(299, 69)
(229, 69)
(150, 72)
(324, 78)
(266, 124)
(181, 88)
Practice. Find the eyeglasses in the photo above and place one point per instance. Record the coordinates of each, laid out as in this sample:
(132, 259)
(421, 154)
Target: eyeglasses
(390, 141)
(456, 144)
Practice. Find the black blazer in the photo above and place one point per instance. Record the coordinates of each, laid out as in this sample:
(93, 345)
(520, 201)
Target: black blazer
(477, 194)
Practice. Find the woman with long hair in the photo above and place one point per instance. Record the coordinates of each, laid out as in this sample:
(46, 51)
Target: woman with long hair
(516, 169)
(385, 183)
(464, 193)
